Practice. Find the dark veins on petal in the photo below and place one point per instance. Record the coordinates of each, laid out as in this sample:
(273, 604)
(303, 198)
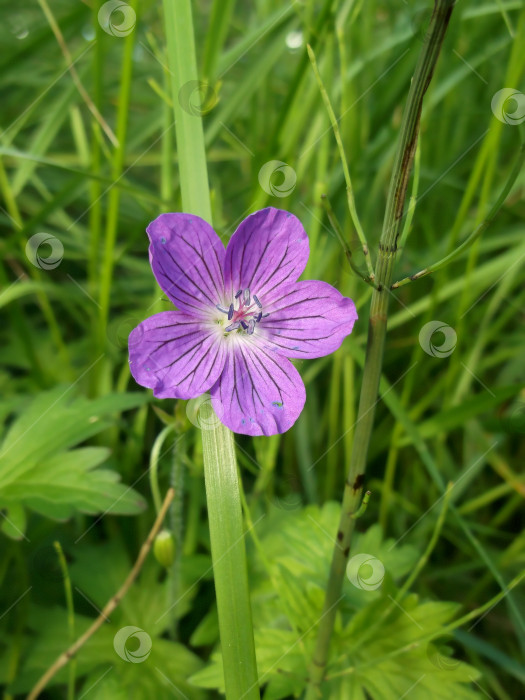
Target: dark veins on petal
(184, 275)
(201, 256)
(194, 349)
(171, 284)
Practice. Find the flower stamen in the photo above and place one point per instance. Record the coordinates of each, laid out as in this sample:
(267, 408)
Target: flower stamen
(245, 316)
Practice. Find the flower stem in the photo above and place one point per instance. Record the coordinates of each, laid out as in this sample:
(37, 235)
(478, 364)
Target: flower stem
(229, 560)
(392, 227)
(188, 123)
(220, 468)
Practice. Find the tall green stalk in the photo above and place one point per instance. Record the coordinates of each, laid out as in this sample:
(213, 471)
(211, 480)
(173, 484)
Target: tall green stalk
(229, 561)
(188, 123)
(392, 228)
(220, 468)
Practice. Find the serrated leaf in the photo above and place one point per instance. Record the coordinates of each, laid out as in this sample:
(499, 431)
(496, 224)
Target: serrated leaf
(381, 649)
(98, 656)
(98, 571)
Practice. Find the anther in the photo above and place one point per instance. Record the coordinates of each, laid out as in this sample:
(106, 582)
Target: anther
(238, 294)
(247, 297)
(232, 326)
(259, 316)
(230, 312)
(251, 326)
(221, 309)
(256, 300)
(265, 315)
(244, 325)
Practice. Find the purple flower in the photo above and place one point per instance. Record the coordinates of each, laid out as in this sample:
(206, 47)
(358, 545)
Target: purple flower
(241, 315)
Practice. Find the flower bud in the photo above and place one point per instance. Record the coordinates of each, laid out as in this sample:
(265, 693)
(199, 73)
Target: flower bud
(164, 548)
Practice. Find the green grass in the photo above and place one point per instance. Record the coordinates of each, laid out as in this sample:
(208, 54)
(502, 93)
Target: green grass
(74, 420)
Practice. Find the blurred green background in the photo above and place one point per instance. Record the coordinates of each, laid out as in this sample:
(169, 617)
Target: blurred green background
(87, 159)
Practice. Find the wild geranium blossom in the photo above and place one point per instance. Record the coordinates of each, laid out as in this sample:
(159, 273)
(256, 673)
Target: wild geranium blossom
(241, 315)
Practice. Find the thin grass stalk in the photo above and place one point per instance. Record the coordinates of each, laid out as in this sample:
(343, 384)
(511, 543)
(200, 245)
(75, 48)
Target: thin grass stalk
(95, 187)
(114, 194)
(68, 592)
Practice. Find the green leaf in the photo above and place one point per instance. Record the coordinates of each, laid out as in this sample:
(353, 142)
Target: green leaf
(207, 632)
(14, 520)
(41, 471)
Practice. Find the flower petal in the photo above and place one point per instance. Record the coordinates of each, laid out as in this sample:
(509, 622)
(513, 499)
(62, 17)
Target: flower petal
(269, 248)
(187, 258)
(257, 393)
(175, 355)
(308, 319)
